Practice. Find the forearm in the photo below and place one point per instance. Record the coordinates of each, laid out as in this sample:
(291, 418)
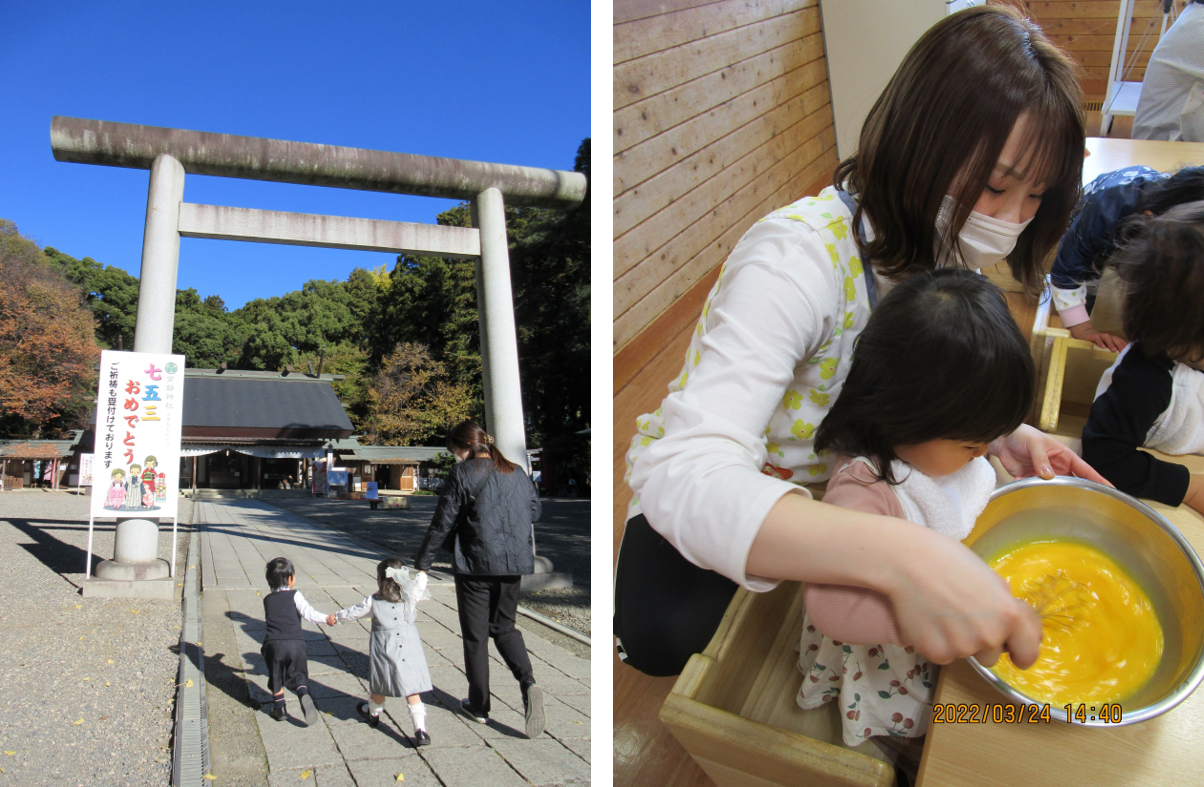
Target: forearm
(1195, 493)
(810, 541)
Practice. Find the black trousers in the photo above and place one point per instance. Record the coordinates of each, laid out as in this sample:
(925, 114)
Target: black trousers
(666, 608)
(487, 606)
(288, 663)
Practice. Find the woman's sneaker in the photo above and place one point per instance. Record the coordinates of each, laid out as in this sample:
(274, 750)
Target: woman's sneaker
(362, 710)
(480, 717)
(533, 711)
(309, 709)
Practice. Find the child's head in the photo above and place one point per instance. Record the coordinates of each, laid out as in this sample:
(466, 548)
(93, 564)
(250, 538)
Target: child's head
(135, 469)
(1162, 262)
(1186, 185)
(151, 462)
(118, 474)
(389, 589)
(941, 359)
(280, 571)
(944, 125)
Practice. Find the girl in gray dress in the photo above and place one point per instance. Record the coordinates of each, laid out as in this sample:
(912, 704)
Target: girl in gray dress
(397, 664)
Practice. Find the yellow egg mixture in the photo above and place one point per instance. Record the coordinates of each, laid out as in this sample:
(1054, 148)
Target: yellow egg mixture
(1102, 640)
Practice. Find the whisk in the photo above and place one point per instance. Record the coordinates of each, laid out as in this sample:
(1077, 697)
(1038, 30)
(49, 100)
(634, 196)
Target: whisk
(1058, 600)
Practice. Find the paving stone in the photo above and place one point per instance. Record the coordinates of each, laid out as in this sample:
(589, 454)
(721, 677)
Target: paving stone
(357, 740)
(579, 746)
(503, 722)
(384, 772)
(438, 636)
(472, 767)
(564, 722)
(578, 702)
(543, 761)
(312, 776)
(557, 683)
(339, 685)
(450, 680)
(290, 742)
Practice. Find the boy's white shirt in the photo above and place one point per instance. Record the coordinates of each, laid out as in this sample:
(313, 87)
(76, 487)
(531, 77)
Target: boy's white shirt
(307, 612)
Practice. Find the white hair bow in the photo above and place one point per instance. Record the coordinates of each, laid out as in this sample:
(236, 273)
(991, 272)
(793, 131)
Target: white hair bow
(397, 574)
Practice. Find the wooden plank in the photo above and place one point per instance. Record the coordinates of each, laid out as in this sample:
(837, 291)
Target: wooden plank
(630, 10)
(632, 320)
(654, 34)
(651, 232)
(664, 214)
(1102, 26)
(677, 321)
(1075, 9)
(1094, 43)
(705, 143)
(647, 76)
(635, 123)
(649, 253)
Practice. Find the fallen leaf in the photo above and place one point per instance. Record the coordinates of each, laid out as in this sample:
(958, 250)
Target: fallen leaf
(188, 683)
(106, 683)
(78, 721)
(257, 592)
(210, 776)
(10, 753)
(79, 606)
(110, 661)
(3, 771)
(400, 778)
(81, 637)
(87, 679)
(102, 718)
(134, 611)
(304, 774)
(576, 722)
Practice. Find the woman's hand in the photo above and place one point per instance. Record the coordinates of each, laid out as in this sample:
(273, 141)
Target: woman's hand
(1028, 452)
(951, 605)
(1104, 341)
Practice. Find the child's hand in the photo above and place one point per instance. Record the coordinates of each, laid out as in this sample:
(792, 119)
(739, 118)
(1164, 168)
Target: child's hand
(1104, 341)
(331, 620)
(420, 582)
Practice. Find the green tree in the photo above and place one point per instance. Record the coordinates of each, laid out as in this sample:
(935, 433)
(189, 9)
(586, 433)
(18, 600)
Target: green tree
(110, 293)
(203, 334)
(348, 360)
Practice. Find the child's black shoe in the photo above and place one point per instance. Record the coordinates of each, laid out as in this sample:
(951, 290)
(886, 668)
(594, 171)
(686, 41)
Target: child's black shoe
(363, 710)
(421, 738)
(277, 712)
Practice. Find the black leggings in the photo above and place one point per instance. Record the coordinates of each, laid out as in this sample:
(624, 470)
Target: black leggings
(666, 608)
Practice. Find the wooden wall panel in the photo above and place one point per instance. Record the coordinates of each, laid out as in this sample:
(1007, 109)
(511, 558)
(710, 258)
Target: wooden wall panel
(722, 113)
(1086, 31)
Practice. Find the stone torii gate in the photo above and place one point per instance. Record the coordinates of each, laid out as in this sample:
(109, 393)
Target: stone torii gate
(170, 153)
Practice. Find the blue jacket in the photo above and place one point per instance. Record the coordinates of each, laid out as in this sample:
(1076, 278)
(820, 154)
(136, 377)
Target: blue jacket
(1107, 201)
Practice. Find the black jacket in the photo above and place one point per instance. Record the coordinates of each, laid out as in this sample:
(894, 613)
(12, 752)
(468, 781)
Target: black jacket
(493, 537)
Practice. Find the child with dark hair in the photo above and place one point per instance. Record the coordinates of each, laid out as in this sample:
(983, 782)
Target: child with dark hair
(940, 371)
(1153, 395)
(1108, 202)
(397, 663)
(284, 644)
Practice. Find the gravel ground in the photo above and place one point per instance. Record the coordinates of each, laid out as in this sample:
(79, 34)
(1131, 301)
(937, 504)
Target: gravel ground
(562, 535)
(87, 685)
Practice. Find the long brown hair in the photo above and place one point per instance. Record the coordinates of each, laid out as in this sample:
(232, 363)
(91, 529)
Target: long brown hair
(469, 436)
(939, 126)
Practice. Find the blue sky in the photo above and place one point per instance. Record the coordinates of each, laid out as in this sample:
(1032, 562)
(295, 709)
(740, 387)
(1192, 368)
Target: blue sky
(487, 81)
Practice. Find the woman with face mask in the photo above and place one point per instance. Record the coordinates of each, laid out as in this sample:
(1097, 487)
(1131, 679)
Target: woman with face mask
(972, 154)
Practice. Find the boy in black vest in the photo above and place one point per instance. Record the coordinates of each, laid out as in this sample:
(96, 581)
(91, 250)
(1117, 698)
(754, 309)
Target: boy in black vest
(284, 646)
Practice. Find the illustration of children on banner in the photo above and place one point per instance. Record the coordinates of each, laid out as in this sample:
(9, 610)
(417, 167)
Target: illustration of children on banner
(116, 496)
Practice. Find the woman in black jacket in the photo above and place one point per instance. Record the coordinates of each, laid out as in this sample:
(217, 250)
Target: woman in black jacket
(484, 519)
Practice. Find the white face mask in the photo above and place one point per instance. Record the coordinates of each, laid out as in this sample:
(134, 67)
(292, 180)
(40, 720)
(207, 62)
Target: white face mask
(984, 241)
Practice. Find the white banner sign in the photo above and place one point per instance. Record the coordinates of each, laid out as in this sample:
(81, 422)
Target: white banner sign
(85, 469)
(139, 413)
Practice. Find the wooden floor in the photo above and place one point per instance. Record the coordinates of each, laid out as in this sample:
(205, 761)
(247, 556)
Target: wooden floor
(645, 754)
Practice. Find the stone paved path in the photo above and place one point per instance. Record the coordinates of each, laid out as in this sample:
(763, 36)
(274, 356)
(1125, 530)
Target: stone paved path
(335, 570)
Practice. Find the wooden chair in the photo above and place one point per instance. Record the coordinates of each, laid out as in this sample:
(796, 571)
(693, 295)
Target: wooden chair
(1074, 371)
(734, 711)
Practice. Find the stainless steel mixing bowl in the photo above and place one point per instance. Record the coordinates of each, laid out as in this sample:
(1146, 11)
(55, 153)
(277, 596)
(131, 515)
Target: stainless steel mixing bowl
(1135, 536)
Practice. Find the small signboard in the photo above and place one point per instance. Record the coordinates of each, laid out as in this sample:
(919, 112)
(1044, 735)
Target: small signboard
(85, 469)
(370, 491)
